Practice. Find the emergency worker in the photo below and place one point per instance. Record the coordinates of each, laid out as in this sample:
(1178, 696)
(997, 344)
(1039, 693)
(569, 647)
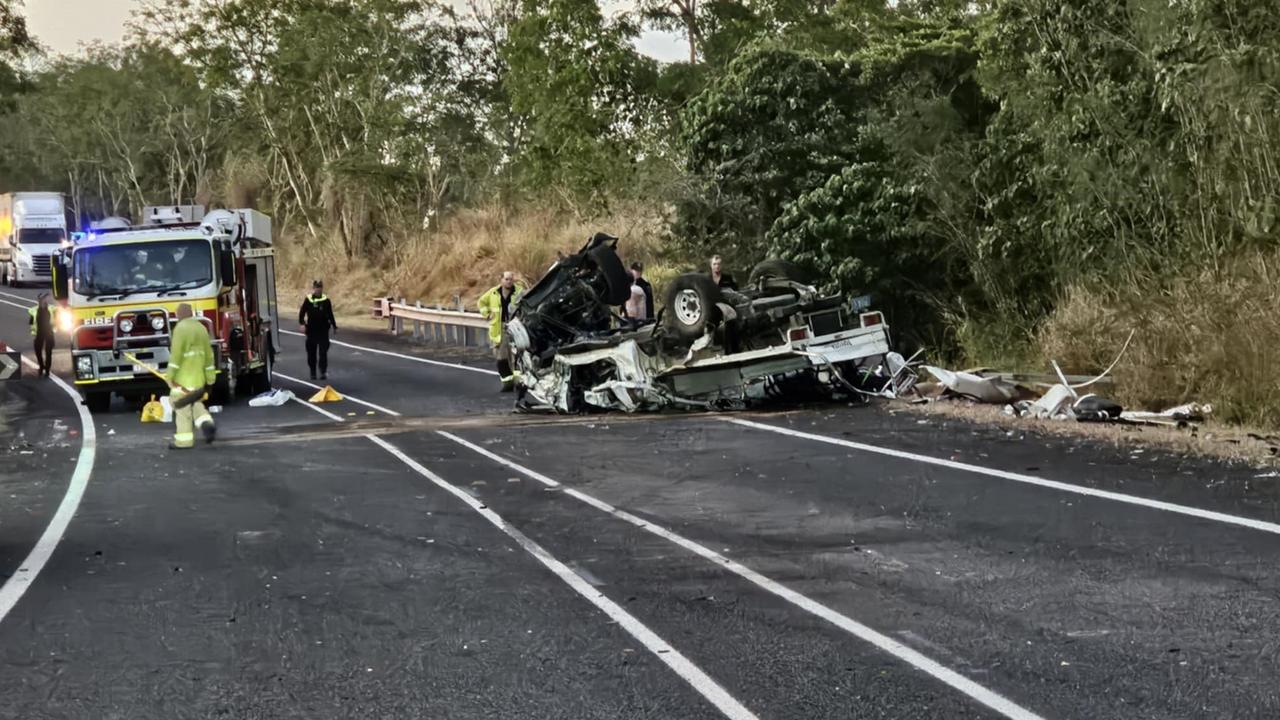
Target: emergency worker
(497, 306)
(316, 317)
(191, 372)
(42, 333)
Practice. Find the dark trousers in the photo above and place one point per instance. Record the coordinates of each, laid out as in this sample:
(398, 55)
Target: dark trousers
(44, 352)
(318, 349)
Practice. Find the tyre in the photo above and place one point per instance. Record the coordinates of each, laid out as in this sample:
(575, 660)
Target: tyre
(779, 270)
(617, 279)
(261, 380)
(98, 402)
(223, 391)
(690, 305)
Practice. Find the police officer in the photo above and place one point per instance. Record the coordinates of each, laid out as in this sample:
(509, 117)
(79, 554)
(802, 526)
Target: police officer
(316, 317)
(497, 305)
(191, 372)
(42, 330)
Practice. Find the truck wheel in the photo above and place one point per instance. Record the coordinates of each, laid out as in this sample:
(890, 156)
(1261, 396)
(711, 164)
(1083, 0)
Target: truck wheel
(690, 307)
(779, 270)
(261, 381)
(223, 390)
(617, 279)
(98, 402)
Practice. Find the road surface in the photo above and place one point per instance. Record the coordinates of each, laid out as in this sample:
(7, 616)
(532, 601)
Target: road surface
(418, 551)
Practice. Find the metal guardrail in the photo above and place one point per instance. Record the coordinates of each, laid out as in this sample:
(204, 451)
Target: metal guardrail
(433, 323)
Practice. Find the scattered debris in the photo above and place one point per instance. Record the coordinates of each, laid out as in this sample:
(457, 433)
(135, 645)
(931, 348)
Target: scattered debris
(271, 398)
(1025, 395)
(989, 390)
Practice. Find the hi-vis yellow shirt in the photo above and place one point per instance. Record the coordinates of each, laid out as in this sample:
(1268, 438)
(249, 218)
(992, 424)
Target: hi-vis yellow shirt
(191, 355)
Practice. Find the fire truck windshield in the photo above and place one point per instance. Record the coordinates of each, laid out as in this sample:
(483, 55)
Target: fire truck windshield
(145, 267)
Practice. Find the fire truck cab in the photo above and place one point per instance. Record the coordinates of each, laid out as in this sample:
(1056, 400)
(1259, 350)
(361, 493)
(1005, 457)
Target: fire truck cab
(120, 288)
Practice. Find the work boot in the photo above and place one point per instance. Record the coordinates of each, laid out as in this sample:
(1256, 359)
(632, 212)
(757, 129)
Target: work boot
(324, 376)
(210, 431)
(313, 374)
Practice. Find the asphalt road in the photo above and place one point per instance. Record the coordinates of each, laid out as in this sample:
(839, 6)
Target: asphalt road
(418, 551)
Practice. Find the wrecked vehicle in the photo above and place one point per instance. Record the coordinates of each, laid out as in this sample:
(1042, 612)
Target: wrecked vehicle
(708, 348)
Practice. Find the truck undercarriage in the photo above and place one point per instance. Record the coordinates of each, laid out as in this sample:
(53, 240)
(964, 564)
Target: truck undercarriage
(708, 348)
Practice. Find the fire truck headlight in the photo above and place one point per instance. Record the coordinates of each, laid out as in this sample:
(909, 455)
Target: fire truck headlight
(84, 366)
(126, 326)
(157, 323)
(65, 321)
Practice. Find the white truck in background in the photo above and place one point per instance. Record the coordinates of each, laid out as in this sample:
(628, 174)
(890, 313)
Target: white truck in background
(33, 225)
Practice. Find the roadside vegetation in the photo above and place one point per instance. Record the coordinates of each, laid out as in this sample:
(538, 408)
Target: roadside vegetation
(1014, 180)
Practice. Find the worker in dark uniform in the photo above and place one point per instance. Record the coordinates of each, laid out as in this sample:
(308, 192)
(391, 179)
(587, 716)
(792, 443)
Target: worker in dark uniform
(723, 279)
(42, 330)
(316, 317)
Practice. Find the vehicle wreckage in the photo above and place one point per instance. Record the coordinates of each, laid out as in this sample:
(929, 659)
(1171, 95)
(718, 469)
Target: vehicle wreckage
(708, 348)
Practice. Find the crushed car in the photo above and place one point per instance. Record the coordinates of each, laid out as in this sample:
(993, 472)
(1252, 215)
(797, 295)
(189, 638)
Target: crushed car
(708, 348)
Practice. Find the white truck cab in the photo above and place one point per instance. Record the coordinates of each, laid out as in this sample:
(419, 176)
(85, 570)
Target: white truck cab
(33, 226)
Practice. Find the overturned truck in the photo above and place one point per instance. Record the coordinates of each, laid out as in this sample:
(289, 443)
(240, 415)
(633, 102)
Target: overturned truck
(709, 348)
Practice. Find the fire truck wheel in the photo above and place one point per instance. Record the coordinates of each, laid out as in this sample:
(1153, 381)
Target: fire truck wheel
(223, 391)
(98, 402)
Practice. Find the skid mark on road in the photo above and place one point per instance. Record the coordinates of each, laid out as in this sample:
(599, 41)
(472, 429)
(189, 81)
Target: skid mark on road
(977, 692)
(1187, 510)
(707, 687)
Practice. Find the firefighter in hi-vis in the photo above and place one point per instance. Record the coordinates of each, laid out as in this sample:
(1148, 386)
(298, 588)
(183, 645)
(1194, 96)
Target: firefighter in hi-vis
(496, 306)
(191, 372)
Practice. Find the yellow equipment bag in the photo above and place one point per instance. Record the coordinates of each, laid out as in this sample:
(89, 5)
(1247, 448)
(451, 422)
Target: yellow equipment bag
(153, 411)
(326, 394)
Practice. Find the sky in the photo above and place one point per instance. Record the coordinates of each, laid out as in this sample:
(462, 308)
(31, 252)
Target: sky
(66, 25)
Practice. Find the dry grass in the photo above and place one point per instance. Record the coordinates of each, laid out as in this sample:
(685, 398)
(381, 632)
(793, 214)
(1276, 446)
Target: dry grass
(466, 255)
(1209, 338)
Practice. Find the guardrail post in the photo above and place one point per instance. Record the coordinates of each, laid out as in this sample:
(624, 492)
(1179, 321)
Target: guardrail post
(418, 333)
(400, 320)
(386, 314)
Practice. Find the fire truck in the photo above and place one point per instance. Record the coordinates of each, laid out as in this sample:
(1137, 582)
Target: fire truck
(120, 287)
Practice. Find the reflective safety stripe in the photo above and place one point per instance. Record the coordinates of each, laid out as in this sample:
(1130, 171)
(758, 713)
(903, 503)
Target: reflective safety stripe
(184, 439)
(204, 420)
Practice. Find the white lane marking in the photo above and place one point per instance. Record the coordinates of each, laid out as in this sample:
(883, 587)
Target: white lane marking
(388, 353)
(20, 307)
(35, 561)
(1028, 479)
(300, 381)
(18, 297)
(728, 706)
(885, 643)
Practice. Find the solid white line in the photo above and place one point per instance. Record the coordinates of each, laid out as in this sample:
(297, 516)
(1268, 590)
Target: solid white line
(26, 573)
(20, 307)
(682, 666)
(885, 643)
(300, 381)
(388, 353)
(19, 297)
(1028, 479)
